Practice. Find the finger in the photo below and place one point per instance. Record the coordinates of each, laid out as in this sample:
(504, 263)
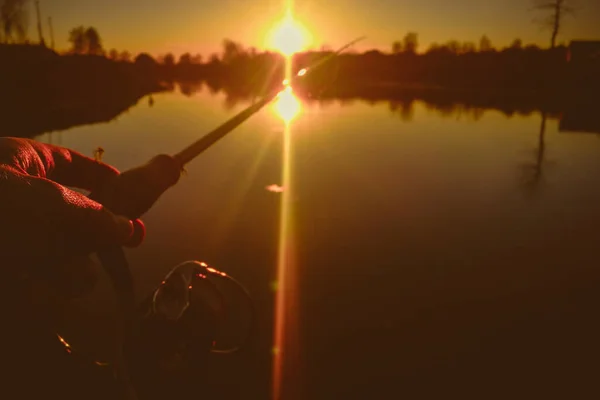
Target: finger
(68, 220)
(71, 168)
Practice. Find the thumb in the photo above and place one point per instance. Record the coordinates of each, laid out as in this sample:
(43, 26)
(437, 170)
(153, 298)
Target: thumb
(91, 226)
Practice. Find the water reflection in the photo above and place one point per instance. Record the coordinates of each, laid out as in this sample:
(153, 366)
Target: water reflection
(404, 109)
(287, 106)
(468, 105)
(190, 88)
(533, 171)
(428, 233)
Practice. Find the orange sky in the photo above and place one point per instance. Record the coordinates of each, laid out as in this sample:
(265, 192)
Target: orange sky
(200, 25)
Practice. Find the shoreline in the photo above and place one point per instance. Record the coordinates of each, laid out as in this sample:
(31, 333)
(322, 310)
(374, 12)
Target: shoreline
(45, 92)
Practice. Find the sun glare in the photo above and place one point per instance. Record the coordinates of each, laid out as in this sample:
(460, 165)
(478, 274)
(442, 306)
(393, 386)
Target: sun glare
(287, 105)
(289, 36)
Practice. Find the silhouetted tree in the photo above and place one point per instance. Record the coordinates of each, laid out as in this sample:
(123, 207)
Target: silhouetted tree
(145, 60)
(396, 47)
(485, 44)
(94, 43)
(197, 59)
(77, 40)
(532, 47)
(14, 20)
(556, 10)
(113, 54)
(231, 51)
(453, 46)
(411, 42)
(214, 59)
(468, 47)
(168, 60)
(517, 44)
(373, 53)
(85, 41)
(125, 56)
(185, 58)
(433, 48)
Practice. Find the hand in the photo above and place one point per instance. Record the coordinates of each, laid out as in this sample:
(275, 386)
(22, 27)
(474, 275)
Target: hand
(48, 230)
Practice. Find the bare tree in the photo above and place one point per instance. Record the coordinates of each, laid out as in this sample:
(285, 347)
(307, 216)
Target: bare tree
(14, 20)
(556, 10)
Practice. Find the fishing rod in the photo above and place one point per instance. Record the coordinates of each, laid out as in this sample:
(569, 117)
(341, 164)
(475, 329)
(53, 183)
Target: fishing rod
(135, 191)
(151, 180)
(198, 147)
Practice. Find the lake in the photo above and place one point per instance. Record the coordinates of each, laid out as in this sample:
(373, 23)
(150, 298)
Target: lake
(428, 252)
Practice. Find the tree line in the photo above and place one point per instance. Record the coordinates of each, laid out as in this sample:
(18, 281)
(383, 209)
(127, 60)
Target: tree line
(410, 43)
(87, 41)
(14, 24)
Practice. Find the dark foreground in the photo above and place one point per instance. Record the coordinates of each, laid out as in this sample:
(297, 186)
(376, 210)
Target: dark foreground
(44, 92)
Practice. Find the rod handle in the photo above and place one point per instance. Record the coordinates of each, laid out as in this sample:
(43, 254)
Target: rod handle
(135, 191)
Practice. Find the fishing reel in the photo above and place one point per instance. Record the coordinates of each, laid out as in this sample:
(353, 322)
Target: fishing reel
(195, 313)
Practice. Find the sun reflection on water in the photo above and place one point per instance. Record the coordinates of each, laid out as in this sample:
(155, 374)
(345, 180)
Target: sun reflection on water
(287, 106)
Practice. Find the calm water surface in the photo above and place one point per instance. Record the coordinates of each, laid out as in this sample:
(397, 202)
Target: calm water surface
(433, 253)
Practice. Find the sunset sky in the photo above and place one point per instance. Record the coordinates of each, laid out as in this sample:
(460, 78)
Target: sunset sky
(198, 26)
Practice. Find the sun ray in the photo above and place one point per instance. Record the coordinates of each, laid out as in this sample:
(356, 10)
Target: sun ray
(236, 201)
(287, 107)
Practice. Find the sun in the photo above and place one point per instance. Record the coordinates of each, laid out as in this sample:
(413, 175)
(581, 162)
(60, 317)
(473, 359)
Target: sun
(289, 36)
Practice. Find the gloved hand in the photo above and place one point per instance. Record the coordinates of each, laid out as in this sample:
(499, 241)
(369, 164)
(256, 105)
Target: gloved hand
(48, 230)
